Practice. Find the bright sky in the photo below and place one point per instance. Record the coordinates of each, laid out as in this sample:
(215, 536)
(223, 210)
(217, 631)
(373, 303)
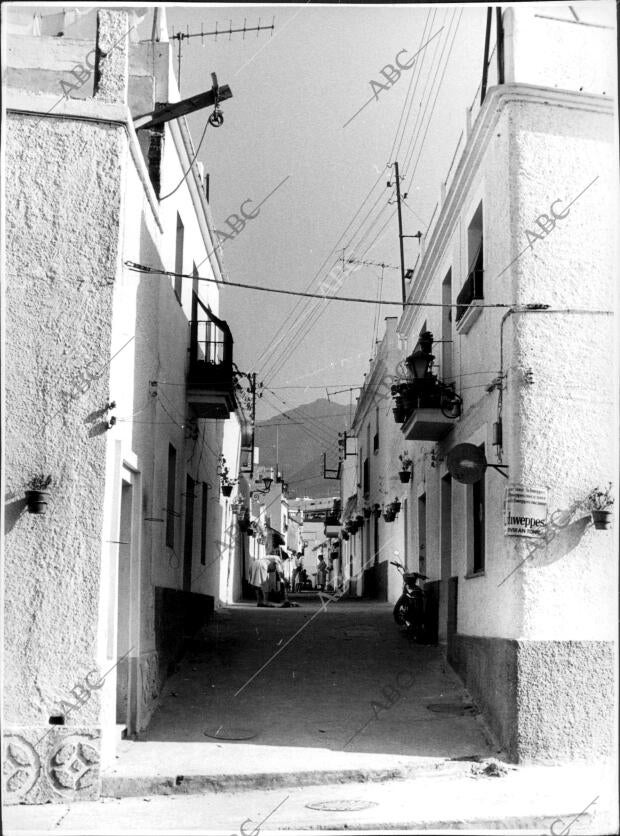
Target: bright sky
(287, 128)
(293, 92)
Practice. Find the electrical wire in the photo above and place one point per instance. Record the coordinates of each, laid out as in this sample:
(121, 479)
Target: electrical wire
(270, 373)
(320, 435)
(300, 336)
(428, 87)
(415, 75)
(141, 268)
(434, 101)
(291, 325)
(310, 311)
(326, 259)
(183, 179)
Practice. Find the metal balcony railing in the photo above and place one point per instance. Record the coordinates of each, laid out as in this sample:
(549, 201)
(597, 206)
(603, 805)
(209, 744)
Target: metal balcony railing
(210, 352)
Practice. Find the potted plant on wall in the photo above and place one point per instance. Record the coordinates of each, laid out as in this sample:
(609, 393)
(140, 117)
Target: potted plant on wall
(405, 467)
(598, 503)
(37, 493)
(389, 515)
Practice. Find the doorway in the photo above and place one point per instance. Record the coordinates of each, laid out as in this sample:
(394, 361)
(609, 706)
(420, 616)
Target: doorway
(446, 553)
(188, 543)
(422, 534)
(128, 605)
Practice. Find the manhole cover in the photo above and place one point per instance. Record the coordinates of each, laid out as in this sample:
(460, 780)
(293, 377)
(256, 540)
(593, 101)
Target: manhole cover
(456, 708)
(346, 805)
(229, 733)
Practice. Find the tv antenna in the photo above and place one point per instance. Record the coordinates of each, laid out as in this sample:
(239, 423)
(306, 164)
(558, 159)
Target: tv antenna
(181, 36)
(372, 264)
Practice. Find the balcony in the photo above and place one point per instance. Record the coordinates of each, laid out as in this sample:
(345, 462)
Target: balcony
(427, 409)
(210, 379)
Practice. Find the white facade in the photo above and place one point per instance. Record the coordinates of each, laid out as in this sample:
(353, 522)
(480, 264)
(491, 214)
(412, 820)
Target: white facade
(532, 205)
(137, 545)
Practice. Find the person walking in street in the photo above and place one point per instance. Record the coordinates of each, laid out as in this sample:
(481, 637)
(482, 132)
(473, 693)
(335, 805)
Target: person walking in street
(321, 574)
(259, 579)
(299, 565)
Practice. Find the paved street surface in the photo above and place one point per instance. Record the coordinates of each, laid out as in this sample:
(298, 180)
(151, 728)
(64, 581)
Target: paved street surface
(319, 695)
(524, 800)
(332, 709)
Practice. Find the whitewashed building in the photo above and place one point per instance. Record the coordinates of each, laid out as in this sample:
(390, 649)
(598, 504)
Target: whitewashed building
(521, 365)
(370, 466)
(120, 386)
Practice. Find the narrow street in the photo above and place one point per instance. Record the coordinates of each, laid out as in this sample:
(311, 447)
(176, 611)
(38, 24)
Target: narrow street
(310, 695)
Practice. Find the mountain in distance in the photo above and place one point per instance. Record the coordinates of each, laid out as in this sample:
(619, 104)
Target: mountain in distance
(301, 436)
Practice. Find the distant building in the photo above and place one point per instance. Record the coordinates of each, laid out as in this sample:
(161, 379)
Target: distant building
(370, 483)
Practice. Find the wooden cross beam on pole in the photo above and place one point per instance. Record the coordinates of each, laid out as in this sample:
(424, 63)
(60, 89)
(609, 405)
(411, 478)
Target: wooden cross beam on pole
(176, 109)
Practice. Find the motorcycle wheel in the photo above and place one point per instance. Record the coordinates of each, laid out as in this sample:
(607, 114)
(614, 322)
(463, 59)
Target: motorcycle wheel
(400, 613)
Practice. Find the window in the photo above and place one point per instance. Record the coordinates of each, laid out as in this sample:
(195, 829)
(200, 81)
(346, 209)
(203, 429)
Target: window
(477, 525)
(170, 496)
(473, 286)
(195, 292)
(178, 258)
(422, 534)
(366, 476)
(446, 328)
(376, 518)
(375, 441)
(203, 524)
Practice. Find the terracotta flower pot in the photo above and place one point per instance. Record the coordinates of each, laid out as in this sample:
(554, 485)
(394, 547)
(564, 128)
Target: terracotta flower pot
(227, 490)
(601, 520)
(405, 475)
(37, 501)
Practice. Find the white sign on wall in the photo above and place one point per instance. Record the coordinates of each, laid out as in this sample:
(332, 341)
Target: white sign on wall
(525, 511)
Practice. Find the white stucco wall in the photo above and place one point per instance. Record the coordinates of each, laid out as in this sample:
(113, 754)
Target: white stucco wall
(63, 212)
(559, 431)
(81, 204)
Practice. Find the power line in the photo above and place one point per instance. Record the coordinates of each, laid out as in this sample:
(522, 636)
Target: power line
(189, 168)
(435, 99)
(311, 431)
(329, 255)
(327, 300)
(323, 436)
(417, 72)
(141, 268)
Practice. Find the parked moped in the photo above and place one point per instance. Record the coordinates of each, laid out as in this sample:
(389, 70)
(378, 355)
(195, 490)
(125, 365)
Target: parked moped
(410, 609)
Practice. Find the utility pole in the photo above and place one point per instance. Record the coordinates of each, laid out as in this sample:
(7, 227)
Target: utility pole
(400, 236)
(418, 235)
(253, 387)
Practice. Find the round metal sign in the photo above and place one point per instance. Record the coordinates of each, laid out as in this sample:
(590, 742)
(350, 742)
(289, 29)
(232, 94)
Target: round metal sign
(466, 463)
